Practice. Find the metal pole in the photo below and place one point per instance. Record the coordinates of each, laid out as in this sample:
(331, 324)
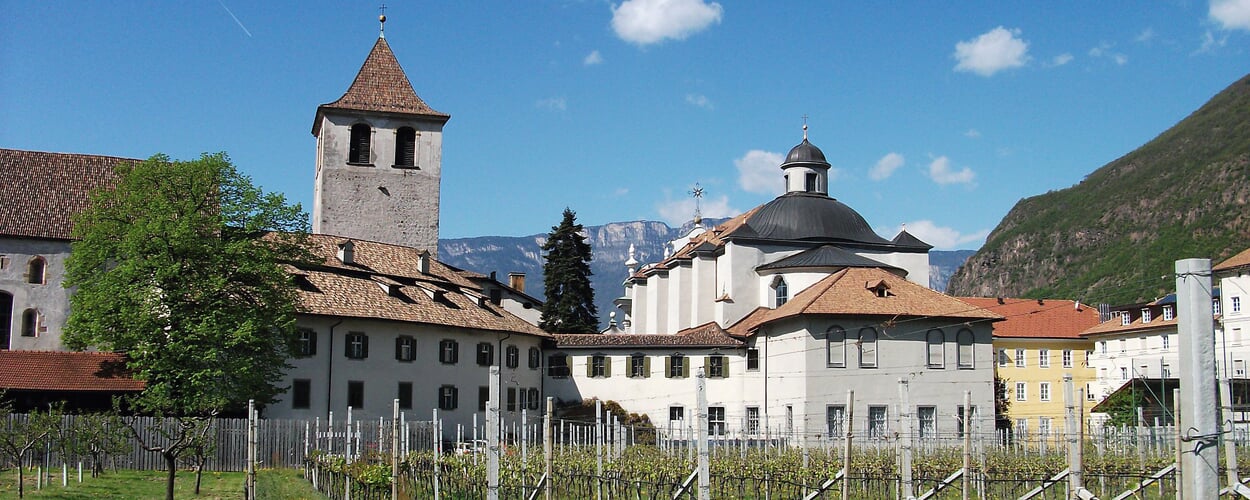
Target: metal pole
(492, 437)
(547, 442)
(437, 432)
(251, 449)
(1070, 430)
(905, 424)
(967, 419)
(1080, 437)
(1196, 330)
(598, 449)
(1176, 431)
(1230, 441)
(395, 450)
(846, 446)
(705, 487)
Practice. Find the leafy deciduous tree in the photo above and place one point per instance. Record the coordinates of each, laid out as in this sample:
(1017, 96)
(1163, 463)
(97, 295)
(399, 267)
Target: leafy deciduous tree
(570, 300)
(20, 433)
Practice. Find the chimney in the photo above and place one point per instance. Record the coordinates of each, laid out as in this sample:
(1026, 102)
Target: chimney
(347, 252)
(423, 262)
(517, 281)
(1000, 301)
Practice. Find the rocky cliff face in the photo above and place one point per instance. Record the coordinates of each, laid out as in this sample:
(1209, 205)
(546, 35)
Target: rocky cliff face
(609, 244)
(1115, 236)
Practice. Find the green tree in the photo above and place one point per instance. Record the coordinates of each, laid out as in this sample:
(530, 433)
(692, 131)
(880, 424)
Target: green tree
(181, 267)
(570, 300)
(21, 433)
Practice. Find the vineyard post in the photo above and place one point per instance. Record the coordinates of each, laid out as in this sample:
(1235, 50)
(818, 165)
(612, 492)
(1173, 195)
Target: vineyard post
(904, 395)
(474, 446)
(251, 449)
(1176, 434)
(849, 423)
(547, 442)
(1230, 443)
(1195, 328)
(347, 434)
(1141, 451)
(967, 420)
(1080, 432)
(437, 432)
(598, 449)
(492, 436)
(705, 489)
(524, 435)
(330, 432)
(394, 449)
(1070, 429)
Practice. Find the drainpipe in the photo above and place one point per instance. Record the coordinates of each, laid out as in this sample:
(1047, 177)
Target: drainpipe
(330, 371)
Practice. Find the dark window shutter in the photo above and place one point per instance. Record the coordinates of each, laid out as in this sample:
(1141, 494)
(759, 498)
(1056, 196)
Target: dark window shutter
(685, 368)
(646, 367)
(347, 345)
(364, 339)
(707, 366)
(590, 366)
(312, 342)
(399, 344)
(724, 366)
(668, 366)
(607, 366)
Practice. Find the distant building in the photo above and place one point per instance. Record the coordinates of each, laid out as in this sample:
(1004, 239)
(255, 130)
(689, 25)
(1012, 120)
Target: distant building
(1037, 344)
(1234, 313)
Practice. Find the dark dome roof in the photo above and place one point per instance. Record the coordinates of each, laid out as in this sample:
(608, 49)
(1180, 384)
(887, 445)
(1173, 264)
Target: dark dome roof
(809, 217)
(806, 152)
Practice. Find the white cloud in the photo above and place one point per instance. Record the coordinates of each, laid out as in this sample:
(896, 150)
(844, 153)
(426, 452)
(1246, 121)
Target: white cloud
(760, 172)
(699, 100)
(1120, 59)
(592, 58)
(1104, 50)
(941, 237)
(1146, 35)
(973, 133)
(1210, 42)
(886, 166)
(553, 103)
(677, 212)
(1231, 14)
(1061, 59)
(993, 51)
(941, 173)
(645, 22)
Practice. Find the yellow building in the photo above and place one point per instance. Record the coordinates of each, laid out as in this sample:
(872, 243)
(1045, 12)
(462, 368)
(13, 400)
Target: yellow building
(1038, 343)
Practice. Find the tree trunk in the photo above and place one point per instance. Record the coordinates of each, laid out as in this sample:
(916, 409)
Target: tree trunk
(21, 477)
(171, 462)
(199, 473)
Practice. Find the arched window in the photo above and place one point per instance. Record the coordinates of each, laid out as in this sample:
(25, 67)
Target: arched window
(835, 347)
(406, 147)
(781, 292)
(867, 347)
(936, 341)
(358, 152)
(30, 322)
(36, 271)
(965, 340)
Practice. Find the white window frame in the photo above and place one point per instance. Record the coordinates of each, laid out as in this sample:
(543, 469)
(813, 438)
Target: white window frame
(1003, 360)
(1043, 391)
(1067, 358)
(1145, 315)
(1167, 342)
(1022, 391)
(1168, 313)
(1043, 358)
(1235, 302)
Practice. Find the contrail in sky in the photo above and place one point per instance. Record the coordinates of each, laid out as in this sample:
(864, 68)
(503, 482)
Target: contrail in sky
(236, 19)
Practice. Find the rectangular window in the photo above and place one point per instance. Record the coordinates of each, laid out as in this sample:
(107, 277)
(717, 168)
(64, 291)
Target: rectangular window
(301, 394)
(935, 342)
(677, 366)
(485, 354)
(534, 397)
(1236, 305)
(522, 399)
(676, 413)
(1239, 368)
(448, 397)
(356, 394)
(404, 395)
(536, 358)
(405, 348)
(1145, 315)
(1166, 370)
(1102, 347)
(1089, 392)
(558, 365)
(927, 415)
(1167, 313)
(1215, 305)
(448, 351)
(357, 346)
(753, 420)
(512, 357)
(307, 343)
(1043, 426)
(716, 366)
(598, 367)
(483, 397)
(1002, 358)
(716, 420)
(1043, 358)
(1125, 318)
(1043, 391)
(639, 366)
(1167, 341)
(835, 348)
(1020, 358)
(1123, 346)
(753, 359)
(511, 399)
(835, 420)
(877, 427)
(868, 347)
(1022, 426)
(1022, 391)
(960, 418)
(1123, 373)
(1067, 358)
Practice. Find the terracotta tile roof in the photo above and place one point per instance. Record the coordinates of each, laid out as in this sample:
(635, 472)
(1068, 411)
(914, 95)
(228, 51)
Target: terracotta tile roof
(1240, 260)
(853, 292)
(41, 191)
(381, 85)
(712, 238)
(705, 335)
(1116, 325)
(386, 284)
(65, 371)
(1032, 318)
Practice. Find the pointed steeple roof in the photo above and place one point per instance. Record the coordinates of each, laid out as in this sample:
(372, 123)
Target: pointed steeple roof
(382, 86)
(906, 239)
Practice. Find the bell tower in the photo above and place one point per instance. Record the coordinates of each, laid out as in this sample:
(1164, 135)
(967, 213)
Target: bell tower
(379, 159)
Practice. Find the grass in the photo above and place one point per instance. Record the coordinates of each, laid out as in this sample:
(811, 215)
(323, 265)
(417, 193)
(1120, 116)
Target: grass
(271, 484)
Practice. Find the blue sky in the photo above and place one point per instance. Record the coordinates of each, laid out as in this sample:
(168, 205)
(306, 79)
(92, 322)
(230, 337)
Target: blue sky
(936, 115)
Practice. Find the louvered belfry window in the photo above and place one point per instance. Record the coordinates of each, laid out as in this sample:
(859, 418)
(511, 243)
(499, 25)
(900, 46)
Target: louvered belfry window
(359, 151)
(406, 147)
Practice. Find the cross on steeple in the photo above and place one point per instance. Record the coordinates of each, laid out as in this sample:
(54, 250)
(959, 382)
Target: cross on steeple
(805, 126)
(382, 21)
(697, 194)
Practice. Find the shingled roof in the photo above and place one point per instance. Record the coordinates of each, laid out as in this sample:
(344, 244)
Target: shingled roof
(1241, 260)
(41, 191)
(65, 371)
(1033, 318)
(381, 86)
(705, 335)
(856, 291)
(384, 282)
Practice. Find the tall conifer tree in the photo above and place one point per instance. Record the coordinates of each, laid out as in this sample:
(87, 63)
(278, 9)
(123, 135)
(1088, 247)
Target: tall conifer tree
(570, 300)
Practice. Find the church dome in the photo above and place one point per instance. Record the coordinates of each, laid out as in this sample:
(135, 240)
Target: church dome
(799, 216)
(805, 153)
